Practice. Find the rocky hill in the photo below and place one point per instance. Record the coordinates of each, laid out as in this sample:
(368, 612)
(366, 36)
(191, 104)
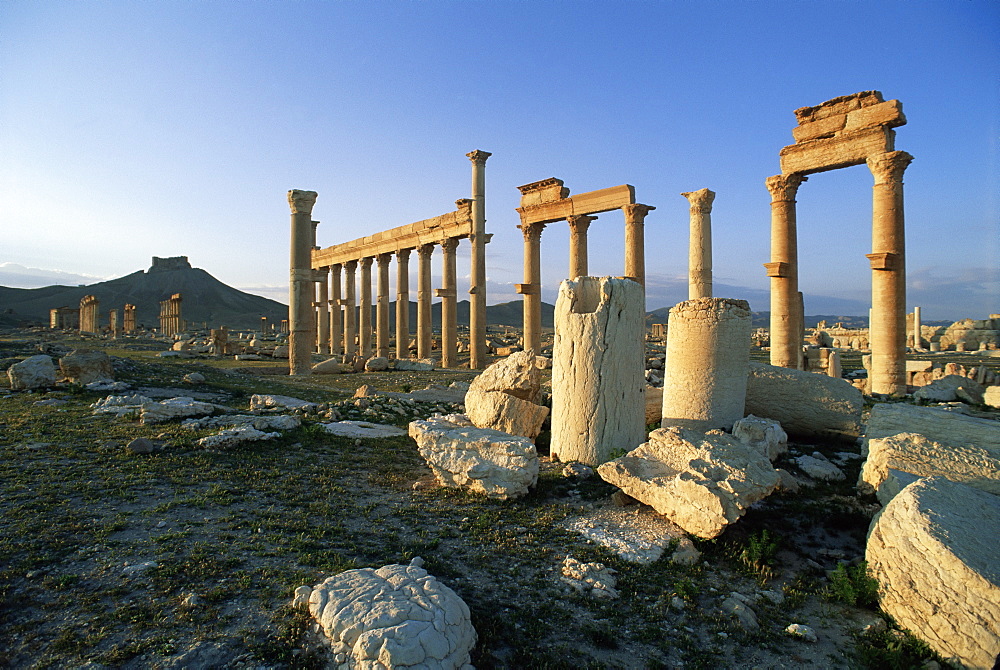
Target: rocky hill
(206, 299)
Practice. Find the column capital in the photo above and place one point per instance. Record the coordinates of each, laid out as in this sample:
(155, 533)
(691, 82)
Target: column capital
(336, 268)
(351, 266)
(784, 186)
(366, 262)
(701, 200)
(579, 223)
(636, 213)
(478, 156)
(403, 255)
(425, 250)
(449, 243)
(383, 259)
(888, 168)
(301, 202)
(532, 231)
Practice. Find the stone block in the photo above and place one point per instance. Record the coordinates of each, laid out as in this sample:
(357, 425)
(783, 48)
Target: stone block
(888, 114)
(806, 404)
(701, 481)
(839, 105)
(86, 365)
(843, 150)
(32, 373)
(817, 129)
(506, 396)
(480, 460)
(933, 550)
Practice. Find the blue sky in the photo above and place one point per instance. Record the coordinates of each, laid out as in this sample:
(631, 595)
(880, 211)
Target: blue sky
(138, 129)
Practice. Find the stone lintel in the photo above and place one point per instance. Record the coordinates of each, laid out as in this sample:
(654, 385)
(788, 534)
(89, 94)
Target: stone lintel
(888, 114)
(445, 293)
(884, 261)
(843, 150)
(545, 190)
(528, 289)
(592, 202)
(410, 236)
(839, 105)
(779, 269)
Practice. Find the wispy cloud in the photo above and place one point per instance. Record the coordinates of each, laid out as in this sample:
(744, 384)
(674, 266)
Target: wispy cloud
(13, 275)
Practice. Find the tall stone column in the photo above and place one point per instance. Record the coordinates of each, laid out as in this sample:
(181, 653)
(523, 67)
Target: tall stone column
(635, 242)
(531, 289)
(598, 384)
(350, 309)
(336, 310)
(708, 361)
(449, 307)
(322, 311)
(700, 243)
(784, 271)
(300, 289)
(365, 311)
(578, 226)
(403, 303)
(424, 294)
(918, 340)
(477, 282)
(888, 328)
(382, 307)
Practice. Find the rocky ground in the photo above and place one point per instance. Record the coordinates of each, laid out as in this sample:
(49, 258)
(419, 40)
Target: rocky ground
(188, 557)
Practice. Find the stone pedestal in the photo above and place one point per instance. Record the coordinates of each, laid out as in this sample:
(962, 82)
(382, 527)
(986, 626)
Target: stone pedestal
(300, 310)
(708, 359)
(784, 272)
(598, 386)
(403, 303)
(700, 243)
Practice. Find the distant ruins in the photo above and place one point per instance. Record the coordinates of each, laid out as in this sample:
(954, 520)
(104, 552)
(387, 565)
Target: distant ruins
(89, 321)
(850, 130)
(171, 321)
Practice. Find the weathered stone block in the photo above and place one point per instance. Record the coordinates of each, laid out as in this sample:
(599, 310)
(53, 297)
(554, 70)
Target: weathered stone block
(839, 105)
(888, 114)
(32, 373)
(505, 396)
(842, 150)
(86, 365)
(933, 551)
(822, 128)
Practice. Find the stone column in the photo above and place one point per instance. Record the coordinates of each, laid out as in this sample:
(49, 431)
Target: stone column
(424, 294)
(113, 322)
(708, 360)
(336, 311)
(365, 311)
(350, 309)
(918, 341)
(531, 289)
(598, 382)
(784, 271)
(578, 226)
(300, 290)
(635, 242)
(382, 307)
(477, 283)
(700, 243)
(403, 303)
(323, 311)
(888, 328)
(449, 307)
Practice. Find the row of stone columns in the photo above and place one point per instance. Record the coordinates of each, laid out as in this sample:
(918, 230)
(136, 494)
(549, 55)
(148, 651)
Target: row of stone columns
(341, 331)
(635, 262)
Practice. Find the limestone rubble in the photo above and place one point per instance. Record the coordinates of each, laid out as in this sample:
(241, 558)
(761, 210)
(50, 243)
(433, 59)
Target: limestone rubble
(506, 397)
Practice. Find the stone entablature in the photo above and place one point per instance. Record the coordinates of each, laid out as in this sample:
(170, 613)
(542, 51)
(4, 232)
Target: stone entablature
(457, 224)
(541, 201)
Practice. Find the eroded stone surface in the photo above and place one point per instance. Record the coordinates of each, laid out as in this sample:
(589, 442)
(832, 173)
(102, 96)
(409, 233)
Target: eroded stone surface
(481, 460)
(174, 408)
(933, 550)
(763, 435)
(32, 373)
(700, 481)
(951, 387)
(362, 429)
(397, 616)
(505, 397)
(86, 365)
(804, 403)
(230, 437)
(268, 401)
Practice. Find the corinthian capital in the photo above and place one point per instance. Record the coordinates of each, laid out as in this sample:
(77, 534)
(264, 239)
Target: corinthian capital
(301, 202)
(579, 223)
(532, 231)
(479, 157)
(701, 200)
(888, 168)
(425, 250)
(784, 186)
(636, 213)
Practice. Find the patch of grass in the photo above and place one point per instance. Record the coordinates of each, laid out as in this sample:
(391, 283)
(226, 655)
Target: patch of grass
(758, 555)
(853, 585)
(894, 650)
